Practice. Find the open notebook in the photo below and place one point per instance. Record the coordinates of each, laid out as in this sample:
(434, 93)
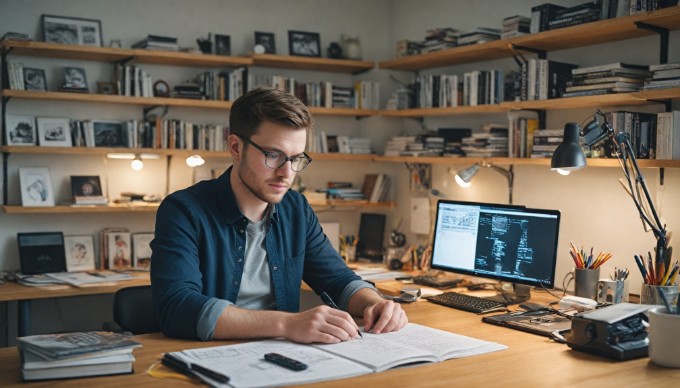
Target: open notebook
(244, 363)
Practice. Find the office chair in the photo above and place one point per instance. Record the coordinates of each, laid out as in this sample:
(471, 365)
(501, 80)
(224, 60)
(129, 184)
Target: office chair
(133, 312)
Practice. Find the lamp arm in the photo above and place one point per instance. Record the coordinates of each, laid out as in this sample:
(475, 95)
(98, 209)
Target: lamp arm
(508, 174)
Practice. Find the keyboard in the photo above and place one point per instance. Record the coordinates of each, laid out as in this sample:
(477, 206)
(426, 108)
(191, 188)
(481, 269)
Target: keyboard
(467, 302)
(436, 281)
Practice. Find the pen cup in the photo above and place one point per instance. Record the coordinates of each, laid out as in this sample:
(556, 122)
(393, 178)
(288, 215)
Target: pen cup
(612, 291)
(585, 282)
(664, 342)
(649, 294)
(350, 253)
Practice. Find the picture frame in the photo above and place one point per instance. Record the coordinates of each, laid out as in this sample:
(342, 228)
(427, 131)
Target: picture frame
(222, 44)
(74, 78)
(141, 250)
(20, 130)
(109, 133)
(108, 88)
(86, 185)
(304, 44)
(71, 30)
(79, 252)
(119, 250)
(54, 131)
(35, 79)
(267, 41)
(36, 186)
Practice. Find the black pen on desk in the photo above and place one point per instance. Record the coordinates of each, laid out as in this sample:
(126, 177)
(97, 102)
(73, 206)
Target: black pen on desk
(328, 301)
(191, 369)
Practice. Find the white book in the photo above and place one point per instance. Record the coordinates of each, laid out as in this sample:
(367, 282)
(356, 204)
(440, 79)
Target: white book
(668, 135)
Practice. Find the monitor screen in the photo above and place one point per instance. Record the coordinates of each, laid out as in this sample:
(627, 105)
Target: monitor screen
(504, 242)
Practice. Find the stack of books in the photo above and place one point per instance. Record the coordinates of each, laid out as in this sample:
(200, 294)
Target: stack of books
(514, 26)
(439, 38)
(16, 36)
(610, 78)
(582, 13)
(479, 35)
(546, 142)
(157, 42)
(398, 144)
(666, 75)
(78, 354)
(407, 47)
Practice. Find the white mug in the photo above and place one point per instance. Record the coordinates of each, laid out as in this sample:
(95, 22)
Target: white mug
(612, 291)
(664, 341)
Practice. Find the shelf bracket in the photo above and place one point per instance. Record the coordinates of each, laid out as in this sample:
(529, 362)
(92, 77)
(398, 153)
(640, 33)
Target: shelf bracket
(5, 186)
(5, 71)
(662, 173)
(668, 104)
(541, 53)
(663, 36)
(125, 61)
(150, 108)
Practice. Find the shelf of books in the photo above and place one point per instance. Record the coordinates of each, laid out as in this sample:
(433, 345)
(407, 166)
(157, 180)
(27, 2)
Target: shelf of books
(108, 150)
(307, 63)
(585, 34)
(341, 203)
(112, 54)
(68, 209)
(342, 156)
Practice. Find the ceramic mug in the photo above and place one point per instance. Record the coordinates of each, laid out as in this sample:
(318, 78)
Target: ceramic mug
(664, 341)
(612, 291)
(585, 282)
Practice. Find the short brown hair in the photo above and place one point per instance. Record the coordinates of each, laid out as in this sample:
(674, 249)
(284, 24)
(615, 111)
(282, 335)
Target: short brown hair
(265, 104)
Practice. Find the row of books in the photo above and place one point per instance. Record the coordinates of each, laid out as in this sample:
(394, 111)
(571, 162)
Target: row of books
(15, 75)
(133, 81)
(541, 79)
(449, 90)
(665, 75)
(608, 78)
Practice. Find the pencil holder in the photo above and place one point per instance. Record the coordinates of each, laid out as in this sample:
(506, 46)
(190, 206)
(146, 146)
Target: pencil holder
(585, 282)
(664, 342)
(350, 253)
(649, 294)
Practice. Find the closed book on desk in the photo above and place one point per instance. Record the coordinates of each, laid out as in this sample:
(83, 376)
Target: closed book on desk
(67, 345)
(34, 367)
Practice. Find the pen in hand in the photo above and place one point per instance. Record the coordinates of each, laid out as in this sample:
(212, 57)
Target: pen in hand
(328, 301)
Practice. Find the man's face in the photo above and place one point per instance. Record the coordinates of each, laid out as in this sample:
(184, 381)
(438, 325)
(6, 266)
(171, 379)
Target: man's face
(270, 184)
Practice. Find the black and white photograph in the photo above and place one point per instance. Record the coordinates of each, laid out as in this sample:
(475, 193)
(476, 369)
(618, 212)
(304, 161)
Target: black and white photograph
(20, 130)
(74, 78)
(141, 250)
(79, 253)
(36, 186)
(86, 185)
(54, 131)
(266, 40)
(71, 30)
(34, 79)
(106, 88)
(222, 44)
(109, 133)
(305, 44)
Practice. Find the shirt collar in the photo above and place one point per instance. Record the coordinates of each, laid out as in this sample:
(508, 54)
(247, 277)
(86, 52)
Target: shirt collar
(225, 195)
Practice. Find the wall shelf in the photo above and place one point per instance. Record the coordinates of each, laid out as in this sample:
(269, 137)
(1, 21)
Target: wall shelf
(66, 209)
(316, 64)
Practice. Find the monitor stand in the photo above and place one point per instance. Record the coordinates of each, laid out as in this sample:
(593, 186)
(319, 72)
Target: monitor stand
(512, 293)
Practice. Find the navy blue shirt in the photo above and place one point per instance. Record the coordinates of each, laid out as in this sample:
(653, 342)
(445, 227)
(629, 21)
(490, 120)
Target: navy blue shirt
(198, 256)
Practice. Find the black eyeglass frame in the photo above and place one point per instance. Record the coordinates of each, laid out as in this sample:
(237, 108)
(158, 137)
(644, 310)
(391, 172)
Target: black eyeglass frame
(286, 157)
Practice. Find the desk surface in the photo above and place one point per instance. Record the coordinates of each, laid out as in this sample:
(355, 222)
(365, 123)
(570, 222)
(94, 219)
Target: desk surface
(530, 360)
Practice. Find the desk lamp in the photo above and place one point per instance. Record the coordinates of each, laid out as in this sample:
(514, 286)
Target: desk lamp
(464, 177)
(569, 156)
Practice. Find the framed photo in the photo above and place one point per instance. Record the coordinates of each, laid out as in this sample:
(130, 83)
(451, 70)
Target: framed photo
(74, 78)
(86, 185)
(34, 79)
(266, 40)
(79, 253)
(54, 131)
(106, 88)
(119, 250)
(222, 44)
(109, 133)
(20, 130)
(36, 186)
(141, 248)
(70, 30)
(305, 44)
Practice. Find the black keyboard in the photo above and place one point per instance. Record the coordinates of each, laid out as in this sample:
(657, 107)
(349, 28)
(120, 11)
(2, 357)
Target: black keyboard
(436, 281)
(466, 302)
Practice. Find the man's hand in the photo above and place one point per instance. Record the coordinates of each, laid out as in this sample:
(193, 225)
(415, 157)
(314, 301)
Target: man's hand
(384, 316)
(321, 324)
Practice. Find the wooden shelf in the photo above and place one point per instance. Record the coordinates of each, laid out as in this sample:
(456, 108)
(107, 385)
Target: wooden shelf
(343, 111)
(307, 63)
(106, 150)
(586, 34)
(339, 204)
(343, 157)
(108, 54)
(64, 209)
(449, 111)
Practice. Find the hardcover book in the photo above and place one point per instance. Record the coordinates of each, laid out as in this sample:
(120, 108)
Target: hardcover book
(33, 367)
(80, 343)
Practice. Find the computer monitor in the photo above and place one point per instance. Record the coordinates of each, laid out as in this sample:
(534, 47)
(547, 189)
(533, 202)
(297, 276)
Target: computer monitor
(504, 242)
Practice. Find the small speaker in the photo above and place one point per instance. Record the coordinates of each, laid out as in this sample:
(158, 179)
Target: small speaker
(41, 252)
(371, 234)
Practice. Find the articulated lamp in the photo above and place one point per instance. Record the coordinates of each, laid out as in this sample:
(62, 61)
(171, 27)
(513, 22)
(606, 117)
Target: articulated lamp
(569, 156)
(464, 177)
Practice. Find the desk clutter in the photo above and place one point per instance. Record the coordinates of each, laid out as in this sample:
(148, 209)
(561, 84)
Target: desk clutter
(77, 354)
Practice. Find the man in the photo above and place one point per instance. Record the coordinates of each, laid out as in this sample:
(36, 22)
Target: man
(229, 254)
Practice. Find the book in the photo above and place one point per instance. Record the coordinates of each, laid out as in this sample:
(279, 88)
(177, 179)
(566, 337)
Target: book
(616, 66)
(33, 367)
(74, 344)
(76, 279)
(668, 135)
(245, 366)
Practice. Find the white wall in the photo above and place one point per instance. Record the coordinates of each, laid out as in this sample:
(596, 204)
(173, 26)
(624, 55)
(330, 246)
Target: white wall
(594, 208)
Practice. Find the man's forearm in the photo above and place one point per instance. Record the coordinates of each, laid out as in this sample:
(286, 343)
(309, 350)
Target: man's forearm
(238, 323)
(363, 298)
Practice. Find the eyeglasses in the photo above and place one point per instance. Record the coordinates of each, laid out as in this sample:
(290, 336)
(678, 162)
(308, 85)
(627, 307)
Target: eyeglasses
(276, 159)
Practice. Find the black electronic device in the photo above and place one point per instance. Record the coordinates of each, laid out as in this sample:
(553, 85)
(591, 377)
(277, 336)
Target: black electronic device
(285, 362)
(617, 331)
(41, 252)
(371, 235)
(509, 243)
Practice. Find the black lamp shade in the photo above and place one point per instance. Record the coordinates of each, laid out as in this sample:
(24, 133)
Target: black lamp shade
(569, 155)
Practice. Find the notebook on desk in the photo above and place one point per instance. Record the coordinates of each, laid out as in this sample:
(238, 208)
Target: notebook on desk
(541, 322)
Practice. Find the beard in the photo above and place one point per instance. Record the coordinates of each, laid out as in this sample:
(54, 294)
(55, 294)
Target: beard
(257, 187)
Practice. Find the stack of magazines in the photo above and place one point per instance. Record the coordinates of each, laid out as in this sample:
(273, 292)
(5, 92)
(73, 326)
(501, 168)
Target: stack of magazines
(77, 354)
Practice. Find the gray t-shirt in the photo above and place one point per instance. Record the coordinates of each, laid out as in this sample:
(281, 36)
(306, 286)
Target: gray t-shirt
(255, 292)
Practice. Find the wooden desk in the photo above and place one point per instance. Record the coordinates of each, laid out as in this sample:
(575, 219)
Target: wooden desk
(12, 291)
(530, 360)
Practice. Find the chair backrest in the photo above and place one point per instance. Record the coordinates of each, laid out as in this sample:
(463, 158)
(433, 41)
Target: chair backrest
(133, 310)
